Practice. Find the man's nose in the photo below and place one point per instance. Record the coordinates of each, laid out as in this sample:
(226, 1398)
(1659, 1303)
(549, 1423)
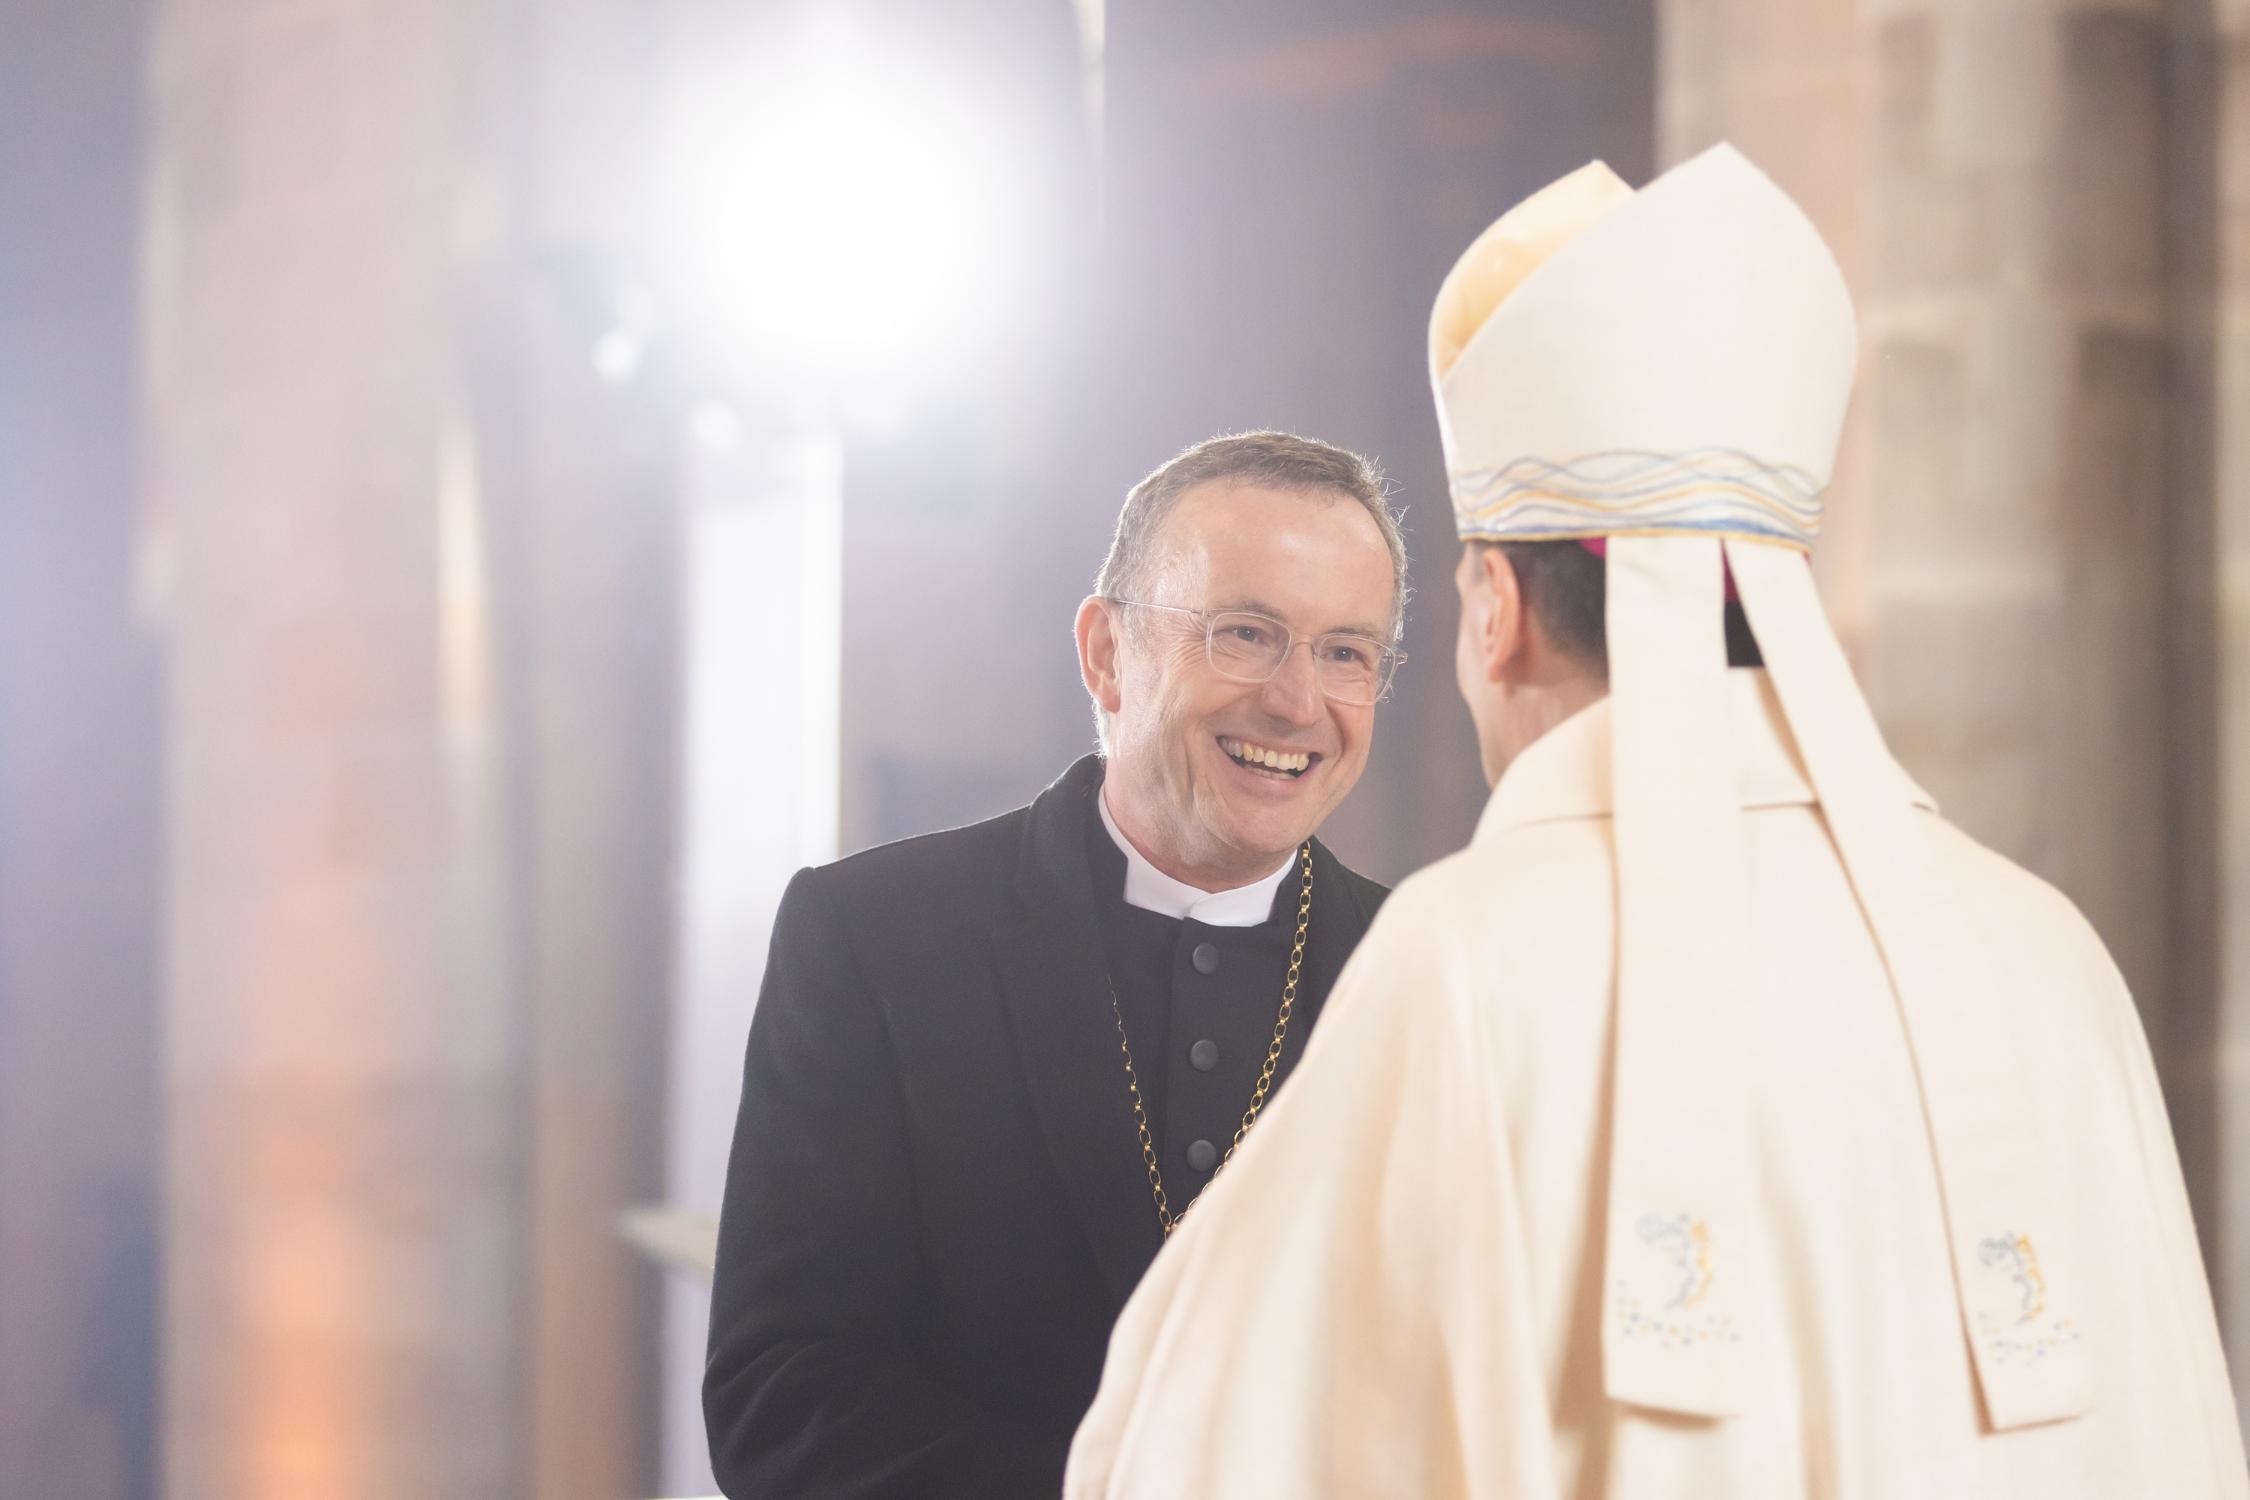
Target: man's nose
(1293, 692)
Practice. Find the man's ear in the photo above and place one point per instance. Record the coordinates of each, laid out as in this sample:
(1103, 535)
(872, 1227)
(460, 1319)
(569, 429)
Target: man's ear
(1098, 647)
(1504, 632)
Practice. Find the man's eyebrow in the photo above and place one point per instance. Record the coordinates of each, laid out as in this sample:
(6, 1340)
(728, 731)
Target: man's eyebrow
(1260, 607)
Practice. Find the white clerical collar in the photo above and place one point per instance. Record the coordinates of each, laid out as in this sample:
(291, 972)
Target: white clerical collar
(1151, 889)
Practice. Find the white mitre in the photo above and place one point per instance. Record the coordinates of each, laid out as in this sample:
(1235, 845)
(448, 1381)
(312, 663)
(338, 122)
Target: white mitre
(1668, 371)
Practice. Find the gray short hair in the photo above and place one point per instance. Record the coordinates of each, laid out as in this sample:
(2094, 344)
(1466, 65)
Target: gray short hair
(1271, 460)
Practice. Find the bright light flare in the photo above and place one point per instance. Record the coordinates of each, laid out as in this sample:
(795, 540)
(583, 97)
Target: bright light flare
(845, 219)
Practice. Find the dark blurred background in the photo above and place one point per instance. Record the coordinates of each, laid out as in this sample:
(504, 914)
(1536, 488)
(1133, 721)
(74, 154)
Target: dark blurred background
(488, 488)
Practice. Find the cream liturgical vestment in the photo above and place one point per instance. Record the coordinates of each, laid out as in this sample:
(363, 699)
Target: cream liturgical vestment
(1722, 1122)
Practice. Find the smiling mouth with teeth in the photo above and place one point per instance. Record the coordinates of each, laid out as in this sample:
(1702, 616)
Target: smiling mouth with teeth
(1288, 764)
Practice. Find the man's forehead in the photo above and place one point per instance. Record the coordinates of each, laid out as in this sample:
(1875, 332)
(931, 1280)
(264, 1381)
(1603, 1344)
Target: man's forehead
(1301, 553)
(1199, 576)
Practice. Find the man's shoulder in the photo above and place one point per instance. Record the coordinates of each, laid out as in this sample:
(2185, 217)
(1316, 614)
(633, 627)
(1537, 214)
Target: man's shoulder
(2010, 907)
(1537, 863)
(1365, 893)
(1537, 900)
(955, 866)
(1553, 883)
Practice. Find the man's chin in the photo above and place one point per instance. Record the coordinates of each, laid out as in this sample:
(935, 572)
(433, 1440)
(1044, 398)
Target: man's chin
(1264, 845)
(1259, 831)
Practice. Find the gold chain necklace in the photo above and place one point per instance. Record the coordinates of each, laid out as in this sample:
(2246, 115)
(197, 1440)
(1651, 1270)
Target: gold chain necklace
(1164, 1214)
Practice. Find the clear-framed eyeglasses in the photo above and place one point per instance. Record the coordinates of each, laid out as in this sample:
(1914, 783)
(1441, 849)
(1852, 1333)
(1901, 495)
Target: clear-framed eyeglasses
(1246, 646)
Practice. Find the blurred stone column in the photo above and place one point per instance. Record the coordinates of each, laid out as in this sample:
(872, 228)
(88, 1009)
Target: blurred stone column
(416, 567)
(2014, 310)
(2021, 555)
(2209, 1034)
(581, 450)
(1992, 179)
(343, 1235)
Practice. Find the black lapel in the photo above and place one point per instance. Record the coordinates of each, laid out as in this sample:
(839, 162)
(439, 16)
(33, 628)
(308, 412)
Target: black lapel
(1052, 972)
(1339, 920)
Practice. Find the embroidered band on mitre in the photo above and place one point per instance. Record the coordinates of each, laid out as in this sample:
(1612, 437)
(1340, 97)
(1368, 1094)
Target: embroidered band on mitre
(1668, 370)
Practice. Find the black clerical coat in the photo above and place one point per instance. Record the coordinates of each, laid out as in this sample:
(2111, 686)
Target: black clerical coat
(937, 1202)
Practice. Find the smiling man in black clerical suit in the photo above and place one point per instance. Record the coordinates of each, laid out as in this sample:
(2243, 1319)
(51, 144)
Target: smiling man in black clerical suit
(990, 1068)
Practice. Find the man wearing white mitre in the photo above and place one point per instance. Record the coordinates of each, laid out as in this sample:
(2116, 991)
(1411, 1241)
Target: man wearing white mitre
(1722, 1121)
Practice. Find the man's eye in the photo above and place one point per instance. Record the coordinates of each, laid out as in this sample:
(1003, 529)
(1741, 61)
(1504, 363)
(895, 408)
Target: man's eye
(1344, 653)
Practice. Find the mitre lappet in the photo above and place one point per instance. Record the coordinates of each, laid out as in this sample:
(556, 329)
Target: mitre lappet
(1666, 372)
